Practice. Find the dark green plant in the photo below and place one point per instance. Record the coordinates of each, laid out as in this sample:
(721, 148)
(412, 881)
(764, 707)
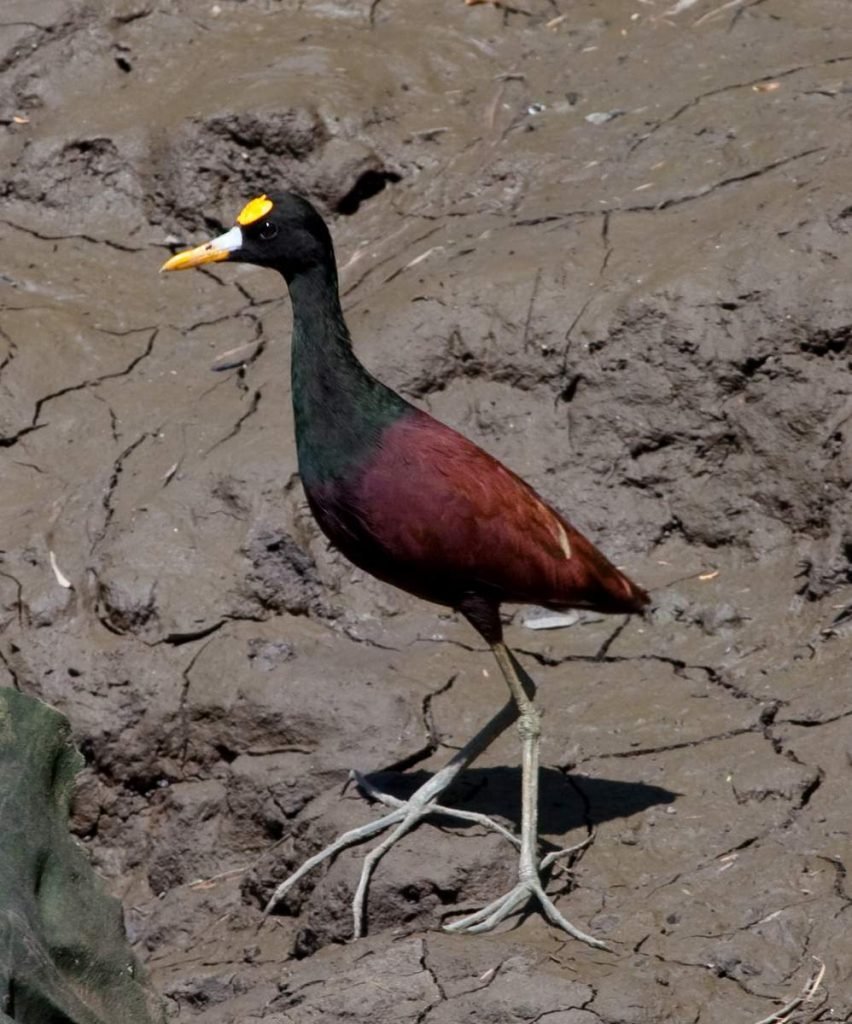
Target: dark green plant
(64, 957)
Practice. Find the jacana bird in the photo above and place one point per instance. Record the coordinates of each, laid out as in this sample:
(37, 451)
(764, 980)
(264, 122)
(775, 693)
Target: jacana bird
(416, 504)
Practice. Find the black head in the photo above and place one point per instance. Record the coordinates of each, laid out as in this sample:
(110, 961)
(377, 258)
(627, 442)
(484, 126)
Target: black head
(283, 231)
(280, 230)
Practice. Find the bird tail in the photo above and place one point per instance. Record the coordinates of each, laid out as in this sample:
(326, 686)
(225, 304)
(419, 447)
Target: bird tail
(605, 588)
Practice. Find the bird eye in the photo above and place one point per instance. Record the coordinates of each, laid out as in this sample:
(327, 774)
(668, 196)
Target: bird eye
(268, 231)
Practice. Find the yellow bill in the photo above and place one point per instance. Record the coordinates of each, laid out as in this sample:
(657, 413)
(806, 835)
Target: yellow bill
(214, 251)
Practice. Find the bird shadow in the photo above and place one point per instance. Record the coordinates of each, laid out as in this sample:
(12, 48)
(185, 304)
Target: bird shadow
(565, 802)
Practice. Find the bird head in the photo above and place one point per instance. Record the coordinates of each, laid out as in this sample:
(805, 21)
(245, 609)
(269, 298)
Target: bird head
(282, 231)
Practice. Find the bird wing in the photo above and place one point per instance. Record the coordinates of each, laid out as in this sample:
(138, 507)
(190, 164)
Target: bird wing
(446, 513)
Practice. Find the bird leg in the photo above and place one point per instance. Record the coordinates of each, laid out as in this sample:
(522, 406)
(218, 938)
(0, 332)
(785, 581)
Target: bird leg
(529, 880)
(406, 814)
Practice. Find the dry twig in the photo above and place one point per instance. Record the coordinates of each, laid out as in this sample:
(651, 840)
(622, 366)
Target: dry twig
(782, 1015)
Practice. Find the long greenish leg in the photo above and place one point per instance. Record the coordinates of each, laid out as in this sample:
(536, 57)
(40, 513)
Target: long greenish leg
(529, 728)
(529, 880)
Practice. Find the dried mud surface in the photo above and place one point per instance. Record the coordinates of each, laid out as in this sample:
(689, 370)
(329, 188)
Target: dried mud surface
(609, 241)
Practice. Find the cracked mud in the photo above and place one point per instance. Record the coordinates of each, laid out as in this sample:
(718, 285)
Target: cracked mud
(608, 241)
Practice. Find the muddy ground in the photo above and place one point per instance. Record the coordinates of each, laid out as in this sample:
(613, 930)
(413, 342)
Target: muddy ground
(608, 240)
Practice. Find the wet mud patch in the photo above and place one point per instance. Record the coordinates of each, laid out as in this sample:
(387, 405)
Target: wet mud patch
(609, 245)
(295, 148)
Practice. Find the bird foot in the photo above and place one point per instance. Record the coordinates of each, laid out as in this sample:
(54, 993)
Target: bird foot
(404, 815)
(490, 916)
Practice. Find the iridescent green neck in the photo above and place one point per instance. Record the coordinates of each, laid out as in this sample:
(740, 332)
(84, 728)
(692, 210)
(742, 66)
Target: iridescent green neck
(340, 409)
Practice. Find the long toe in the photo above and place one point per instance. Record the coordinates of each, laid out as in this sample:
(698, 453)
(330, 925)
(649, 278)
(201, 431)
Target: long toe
(489, 917)
(402, 817)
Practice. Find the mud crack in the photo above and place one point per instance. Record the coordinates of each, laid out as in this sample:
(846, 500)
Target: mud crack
(238, 426)
(182, 713)
(682, 745)
(42, 35)
(11, 439)
(679, 667)
(433, 974)
(19, 591)
(13, 675)
(117, 470)
(735, 179)
(12, 350)
(433, 741)
(696, 100)
(91, 239)
(571, 381)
